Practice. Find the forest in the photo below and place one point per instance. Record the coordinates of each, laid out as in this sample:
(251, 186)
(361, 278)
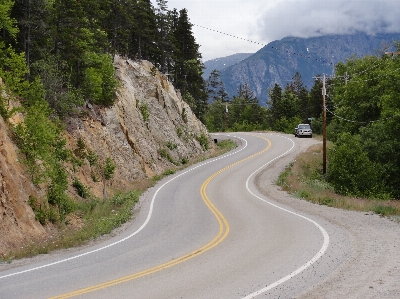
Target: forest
(55, 55)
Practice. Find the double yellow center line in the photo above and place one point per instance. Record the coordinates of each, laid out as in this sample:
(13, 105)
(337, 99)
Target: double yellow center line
(223, 232)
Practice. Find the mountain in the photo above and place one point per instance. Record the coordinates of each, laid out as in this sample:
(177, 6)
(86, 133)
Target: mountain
(278, 61)
(223, 62)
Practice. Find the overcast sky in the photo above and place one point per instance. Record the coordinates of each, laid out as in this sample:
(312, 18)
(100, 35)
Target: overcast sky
(264, 21)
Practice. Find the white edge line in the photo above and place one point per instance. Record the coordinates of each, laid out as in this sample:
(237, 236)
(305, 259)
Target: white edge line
(320, 253)
(142, 226)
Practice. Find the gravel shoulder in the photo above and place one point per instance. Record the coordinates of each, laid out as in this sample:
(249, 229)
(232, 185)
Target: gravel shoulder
(372, 266)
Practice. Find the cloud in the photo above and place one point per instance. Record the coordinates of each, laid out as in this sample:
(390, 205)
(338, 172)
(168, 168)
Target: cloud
(309, 18)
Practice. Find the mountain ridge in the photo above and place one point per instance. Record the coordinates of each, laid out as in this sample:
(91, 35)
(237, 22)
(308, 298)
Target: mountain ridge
(278, 61)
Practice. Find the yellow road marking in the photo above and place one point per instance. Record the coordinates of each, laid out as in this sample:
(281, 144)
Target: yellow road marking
(223, 232)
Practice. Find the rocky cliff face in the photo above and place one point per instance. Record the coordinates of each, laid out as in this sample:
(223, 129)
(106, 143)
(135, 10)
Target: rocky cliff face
(149, 129)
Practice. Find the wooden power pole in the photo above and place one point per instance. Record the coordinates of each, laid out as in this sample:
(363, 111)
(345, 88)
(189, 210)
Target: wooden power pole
(323, 124)
(324, 127)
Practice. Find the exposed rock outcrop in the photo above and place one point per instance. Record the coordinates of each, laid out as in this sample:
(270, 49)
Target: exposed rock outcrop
(148, 130)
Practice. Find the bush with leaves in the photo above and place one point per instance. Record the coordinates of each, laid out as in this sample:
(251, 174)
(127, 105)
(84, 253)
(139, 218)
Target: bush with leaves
(351, 172)
(99, 83)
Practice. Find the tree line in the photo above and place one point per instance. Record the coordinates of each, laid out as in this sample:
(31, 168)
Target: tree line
(363, 120)
(286, 107)
(69, 45)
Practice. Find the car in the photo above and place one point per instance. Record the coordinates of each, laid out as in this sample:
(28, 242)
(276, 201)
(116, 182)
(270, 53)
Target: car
(303, 130)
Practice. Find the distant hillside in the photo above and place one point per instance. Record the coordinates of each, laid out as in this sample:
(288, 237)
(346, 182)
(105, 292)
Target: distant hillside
(223, 62)
(279, 60)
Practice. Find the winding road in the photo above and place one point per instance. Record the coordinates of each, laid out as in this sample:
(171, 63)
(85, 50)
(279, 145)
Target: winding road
(205, 232)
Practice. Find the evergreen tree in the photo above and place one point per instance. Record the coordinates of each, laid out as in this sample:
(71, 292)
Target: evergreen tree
(215, 88)
(7, 22)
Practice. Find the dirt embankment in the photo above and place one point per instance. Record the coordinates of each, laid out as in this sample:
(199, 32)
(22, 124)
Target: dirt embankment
(17, 220)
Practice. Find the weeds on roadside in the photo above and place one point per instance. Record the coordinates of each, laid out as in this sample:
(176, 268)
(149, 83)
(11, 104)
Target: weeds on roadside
(98, 218)
(303, 178)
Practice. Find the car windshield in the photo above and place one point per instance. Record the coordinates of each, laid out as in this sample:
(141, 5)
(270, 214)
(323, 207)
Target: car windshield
(304, 127)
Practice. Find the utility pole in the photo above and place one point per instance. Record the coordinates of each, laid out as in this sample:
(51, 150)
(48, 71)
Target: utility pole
(324, 124)
(324, 128)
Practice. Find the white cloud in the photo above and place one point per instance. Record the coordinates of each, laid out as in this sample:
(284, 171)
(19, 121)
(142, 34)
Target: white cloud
(266, 20)
(320, 17)
(235, 17)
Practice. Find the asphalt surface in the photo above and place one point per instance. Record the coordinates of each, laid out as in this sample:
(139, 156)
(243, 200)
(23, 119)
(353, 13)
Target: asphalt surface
(205, 232)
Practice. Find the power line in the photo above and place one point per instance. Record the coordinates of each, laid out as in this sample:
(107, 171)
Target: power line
(278, 49)
(361, 122)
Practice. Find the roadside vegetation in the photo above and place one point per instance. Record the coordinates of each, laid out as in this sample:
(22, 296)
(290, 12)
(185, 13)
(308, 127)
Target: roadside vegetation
(93, 217)
(303, 179)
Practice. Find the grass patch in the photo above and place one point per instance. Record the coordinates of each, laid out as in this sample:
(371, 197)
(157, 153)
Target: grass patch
(385, 210)
(303, 178)
(97, 218)
(227, 144)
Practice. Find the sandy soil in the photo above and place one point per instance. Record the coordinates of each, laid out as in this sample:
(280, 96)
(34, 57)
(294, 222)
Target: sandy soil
(372, 267)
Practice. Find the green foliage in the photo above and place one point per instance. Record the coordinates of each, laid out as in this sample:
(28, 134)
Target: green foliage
(171, 145)
(367, 126)
(99, 83)
(164, 153)
(227, 144)
(58, 91)
(204, 141)
(39, 210)
(153, 71)
(109, 168)
(243, 113)
(144, 109)
(13, 71)
(101, 217)
(80, 188)
(287, 125)
(40, 142)
(179, 132)
(351, 172)
(168, 172)
(7, 23)
(91, 157)
(385, 210)
(80, 151)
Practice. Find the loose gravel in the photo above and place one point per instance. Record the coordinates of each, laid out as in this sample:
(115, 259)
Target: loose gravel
(371, 268)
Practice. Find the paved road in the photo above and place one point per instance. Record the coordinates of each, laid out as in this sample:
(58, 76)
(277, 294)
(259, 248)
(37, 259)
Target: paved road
(205, 232)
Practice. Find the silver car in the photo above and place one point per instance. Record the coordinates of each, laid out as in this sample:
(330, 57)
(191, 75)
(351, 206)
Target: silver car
(303, 130)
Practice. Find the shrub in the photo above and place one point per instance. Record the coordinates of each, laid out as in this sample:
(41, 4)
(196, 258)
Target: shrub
(91, 157)
(179, 131)
(109, 168)
(144, 109)
(351, 172)
(203, 140)
(80, 188)
(171, 145)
